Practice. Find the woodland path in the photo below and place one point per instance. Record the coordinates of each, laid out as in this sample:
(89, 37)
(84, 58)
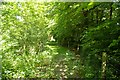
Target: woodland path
(60, 63)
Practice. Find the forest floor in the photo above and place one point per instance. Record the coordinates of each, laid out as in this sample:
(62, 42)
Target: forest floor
(59, 62)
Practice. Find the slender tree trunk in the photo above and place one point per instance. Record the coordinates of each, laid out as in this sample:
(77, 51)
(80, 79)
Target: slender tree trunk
(68, 44)
(92, 15)
(104, 59)
(97, 16)
(111, 11)
(101, 15)
(85, 14)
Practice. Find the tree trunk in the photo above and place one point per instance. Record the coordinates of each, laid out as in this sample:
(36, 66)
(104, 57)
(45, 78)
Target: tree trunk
(111, 11)
(104, 59)
(101, 15)
(97, 16)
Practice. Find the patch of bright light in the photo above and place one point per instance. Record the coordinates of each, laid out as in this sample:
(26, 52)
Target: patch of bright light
(118, 23)
(19, 18)
(66, 53)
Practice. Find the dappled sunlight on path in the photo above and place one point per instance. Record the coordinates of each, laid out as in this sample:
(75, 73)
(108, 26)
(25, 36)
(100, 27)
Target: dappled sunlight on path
(62, 63)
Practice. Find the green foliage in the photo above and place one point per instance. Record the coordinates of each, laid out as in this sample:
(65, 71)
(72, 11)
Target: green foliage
(23, 35)
(90, 28)
(80, 34)
(23, 26)
(103, 38)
